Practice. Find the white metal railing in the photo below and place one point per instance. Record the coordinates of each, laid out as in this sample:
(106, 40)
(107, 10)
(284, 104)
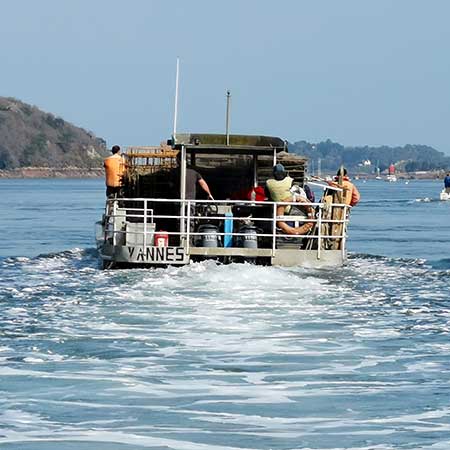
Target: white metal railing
(118, 211)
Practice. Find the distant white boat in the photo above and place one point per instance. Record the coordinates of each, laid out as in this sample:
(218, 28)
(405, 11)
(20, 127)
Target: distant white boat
(444, 196)
(390, 177)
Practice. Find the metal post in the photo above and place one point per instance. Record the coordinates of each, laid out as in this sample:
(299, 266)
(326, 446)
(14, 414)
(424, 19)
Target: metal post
(319, 235)
(106, 220)
(114, 221)
(182, 189)
(145, 224)
(255, 170)
(274, 228)
(188, 236)
(344, 232)
(227, 124)
(274, 156)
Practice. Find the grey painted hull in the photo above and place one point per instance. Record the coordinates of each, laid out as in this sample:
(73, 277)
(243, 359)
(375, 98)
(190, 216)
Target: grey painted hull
(123, 256)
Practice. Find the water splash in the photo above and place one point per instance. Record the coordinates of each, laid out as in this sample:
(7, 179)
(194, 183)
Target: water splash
(213, 356)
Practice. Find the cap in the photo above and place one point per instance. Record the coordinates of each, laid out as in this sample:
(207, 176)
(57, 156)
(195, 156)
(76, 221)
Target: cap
(278, 168)
(279, 172)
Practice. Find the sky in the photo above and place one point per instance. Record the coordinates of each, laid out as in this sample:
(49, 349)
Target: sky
(358, 72)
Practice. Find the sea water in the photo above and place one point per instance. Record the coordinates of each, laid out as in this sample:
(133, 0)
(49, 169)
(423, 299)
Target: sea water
(223, 357)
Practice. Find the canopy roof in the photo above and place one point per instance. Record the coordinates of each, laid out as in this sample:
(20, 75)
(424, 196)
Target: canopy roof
(239, 143)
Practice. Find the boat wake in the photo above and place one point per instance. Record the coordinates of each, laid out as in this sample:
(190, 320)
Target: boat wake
(223, 356)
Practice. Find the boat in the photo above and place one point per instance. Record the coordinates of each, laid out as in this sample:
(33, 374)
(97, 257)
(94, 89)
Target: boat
(155, 224)
(444, 196)
(391, 177)
(377, 173)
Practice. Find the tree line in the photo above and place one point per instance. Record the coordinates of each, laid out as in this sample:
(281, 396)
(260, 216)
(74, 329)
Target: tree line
(408, 158)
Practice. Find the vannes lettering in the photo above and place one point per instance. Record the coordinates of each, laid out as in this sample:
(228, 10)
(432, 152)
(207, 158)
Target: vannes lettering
(157, 254)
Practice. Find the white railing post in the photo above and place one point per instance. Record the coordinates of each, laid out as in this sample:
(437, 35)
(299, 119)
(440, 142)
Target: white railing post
(274, 228)
(188, 227)
(145, 224)
(114, 220)
(319, 234)
(344, 231)
(106, 221)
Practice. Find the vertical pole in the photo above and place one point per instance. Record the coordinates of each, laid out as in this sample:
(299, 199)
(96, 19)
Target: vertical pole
(344, 232)
(106, 220)
(319, 232)
(176, 99)
(255, 171)
(274, 228)
(188, 233)
(114, 220)
(182, 190)
(227, 123)
(145, 224)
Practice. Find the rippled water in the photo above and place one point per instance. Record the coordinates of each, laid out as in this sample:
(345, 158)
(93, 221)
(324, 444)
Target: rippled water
(220, 357)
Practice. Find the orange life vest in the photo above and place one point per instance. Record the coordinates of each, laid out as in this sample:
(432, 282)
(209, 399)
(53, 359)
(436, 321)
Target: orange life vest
(114, 169)
(351, 194)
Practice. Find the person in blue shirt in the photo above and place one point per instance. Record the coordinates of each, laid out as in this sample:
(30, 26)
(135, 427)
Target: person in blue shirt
(447, 183)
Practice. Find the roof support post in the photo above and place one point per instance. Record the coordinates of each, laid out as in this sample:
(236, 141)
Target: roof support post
(255, 170)
(182, 190)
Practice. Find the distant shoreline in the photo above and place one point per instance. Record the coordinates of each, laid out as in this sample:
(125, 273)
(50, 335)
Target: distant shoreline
(53, 172)
(98, 172)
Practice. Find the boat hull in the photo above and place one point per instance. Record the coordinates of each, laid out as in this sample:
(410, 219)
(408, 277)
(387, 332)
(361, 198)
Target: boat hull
(117, 256)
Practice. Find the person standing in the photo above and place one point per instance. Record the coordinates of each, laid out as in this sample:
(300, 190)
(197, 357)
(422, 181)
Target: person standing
(351, 195)
(447, 183)
(114, 170)
(192, 179)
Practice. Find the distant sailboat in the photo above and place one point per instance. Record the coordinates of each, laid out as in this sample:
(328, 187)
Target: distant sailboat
(378, 177)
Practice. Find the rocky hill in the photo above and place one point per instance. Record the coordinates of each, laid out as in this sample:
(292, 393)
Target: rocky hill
(30, 137)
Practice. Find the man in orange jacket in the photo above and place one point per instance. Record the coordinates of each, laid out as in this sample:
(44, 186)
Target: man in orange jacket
(114, 169)
(351, 195)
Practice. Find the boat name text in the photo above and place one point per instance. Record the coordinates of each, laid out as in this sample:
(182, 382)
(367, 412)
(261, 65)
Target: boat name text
(157, 254)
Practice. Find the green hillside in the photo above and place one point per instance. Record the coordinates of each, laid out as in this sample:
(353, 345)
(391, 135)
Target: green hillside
(30, 137)
(365, 159)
